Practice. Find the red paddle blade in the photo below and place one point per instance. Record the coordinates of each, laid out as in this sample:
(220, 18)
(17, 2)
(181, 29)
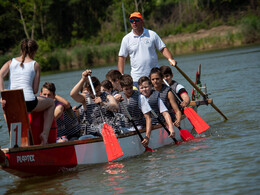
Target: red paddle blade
(149, 149)
(186, 135)
(176, 141)
(198, 123)
(112, 145)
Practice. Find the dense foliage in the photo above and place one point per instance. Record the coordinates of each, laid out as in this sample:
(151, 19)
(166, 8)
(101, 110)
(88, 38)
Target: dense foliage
(59, 24)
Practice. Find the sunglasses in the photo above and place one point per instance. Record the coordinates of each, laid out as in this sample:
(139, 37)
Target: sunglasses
(135, 20)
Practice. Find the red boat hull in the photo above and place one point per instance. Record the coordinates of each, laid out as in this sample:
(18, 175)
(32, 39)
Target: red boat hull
(41, 162)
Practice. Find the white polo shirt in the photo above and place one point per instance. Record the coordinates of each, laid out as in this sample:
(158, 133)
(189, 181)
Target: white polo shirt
(142, 52)
(143, 104)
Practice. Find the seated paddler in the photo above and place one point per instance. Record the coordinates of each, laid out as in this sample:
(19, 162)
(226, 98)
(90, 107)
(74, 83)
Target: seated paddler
(157, 105)
(137, 106)
(68, 127)
(97, 109)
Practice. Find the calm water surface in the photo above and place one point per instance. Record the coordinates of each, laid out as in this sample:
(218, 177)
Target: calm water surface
(227, 161)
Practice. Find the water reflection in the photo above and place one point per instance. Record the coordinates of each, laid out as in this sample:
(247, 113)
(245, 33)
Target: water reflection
(114, 168)
(116, 176)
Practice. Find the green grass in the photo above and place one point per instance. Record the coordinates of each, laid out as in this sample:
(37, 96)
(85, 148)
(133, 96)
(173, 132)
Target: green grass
(203, 44)
(250, 26)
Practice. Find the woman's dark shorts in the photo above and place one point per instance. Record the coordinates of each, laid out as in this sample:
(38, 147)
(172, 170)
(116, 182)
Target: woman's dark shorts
(30, 105)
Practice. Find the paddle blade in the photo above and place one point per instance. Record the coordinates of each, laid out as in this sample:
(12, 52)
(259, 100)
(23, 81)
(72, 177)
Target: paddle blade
(149, 149)
(112, 145)
(176, 141)
(186, 135)
(198, 123)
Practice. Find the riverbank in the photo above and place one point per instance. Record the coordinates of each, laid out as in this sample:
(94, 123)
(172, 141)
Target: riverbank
(88, 56)
(220, 37)
(205, 40)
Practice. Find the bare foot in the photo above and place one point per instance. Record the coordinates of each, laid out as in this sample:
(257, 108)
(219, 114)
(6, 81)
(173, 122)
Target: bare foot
(62, 139)
(44, 138)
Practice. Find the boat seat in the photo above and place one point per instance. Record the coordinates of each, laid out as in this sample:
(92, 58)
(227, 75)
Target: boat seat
(15, 112)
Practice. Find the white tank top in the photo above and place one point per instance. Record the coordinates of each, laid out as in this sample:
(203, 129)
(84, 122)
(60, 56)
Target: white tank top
(22, 78)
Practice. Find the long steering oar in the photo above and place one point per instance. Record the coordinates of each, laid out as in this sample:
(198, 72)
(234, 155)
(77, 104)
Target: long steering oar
(198, 123)
(136, 129)
(196, 87)
(112, 145)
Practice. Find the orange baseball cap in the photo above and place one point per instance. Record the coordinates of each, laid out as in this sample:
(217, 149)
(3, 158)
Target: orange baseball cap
(136, 15)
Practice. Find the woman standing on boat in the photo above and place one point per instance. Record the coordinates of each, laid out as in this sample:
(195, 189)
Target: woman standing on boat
(96, 108)
(24, 72)
(166, 95)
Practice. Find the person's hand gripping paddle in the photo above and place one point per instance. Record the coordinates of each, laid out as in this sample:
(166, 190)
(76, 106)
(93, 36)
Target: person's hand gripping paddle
(198, 123)
(136, 129)
(196, 87)
(112, 145)
(164, 126)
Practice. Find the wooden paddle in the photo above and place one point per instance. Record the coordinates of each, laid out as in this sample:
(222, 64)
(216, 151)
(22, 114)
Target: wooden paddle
(164, 126)
(185, 134)
(196, 87)
(136, 129)
(112, 145)
(198, 123)
(78, 107)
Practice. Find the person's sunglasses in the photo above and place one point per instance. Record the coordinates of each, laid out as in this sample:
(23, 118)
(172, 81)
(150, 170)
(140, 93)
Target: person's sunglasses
(135, 20)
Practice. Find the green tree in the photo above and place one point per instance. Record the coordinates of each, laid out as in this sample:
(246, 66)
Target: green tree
(11, 30)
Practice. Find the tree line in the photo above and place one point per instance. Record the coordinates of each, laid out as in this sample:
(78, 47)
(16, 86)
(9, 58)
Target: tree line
(67, 23)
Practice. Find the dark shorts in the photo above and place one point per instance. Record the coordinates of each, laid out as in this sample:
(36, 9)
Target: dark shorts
(30, 105)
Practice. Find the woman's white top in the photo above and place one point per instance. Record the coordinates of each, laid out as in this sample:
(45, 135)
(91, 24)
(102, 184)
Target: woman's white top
(22, 78)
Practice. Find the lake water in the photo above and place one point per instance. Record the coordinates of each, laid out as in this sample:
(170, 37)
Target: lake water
(226, 162)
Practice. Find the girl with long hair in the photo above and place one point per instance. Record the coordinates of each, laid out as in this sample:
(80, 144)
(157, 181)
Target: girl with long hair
(24, 73)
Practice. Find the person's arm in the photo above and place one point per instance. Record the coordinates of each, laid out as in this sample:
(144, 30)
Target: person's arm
(167, 54)
(118, 98)
(186, 99)
(59, 109)
(175, 108)
(111, 104)
(121, 64)
(36, 81)
(3, 72)
(146, 109)
(77, 112)
(63, 100)
(75, 92)
(168, 120)
(167, 117)
(148, 120)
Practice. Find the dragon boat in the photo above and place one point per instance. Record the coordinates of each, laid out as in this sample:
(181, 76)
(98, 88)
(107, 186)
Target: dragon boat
(25, 159)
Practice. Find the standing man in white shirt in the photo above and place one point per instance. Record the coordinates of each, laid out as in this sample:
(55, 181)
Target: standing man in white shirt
(141, 45)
